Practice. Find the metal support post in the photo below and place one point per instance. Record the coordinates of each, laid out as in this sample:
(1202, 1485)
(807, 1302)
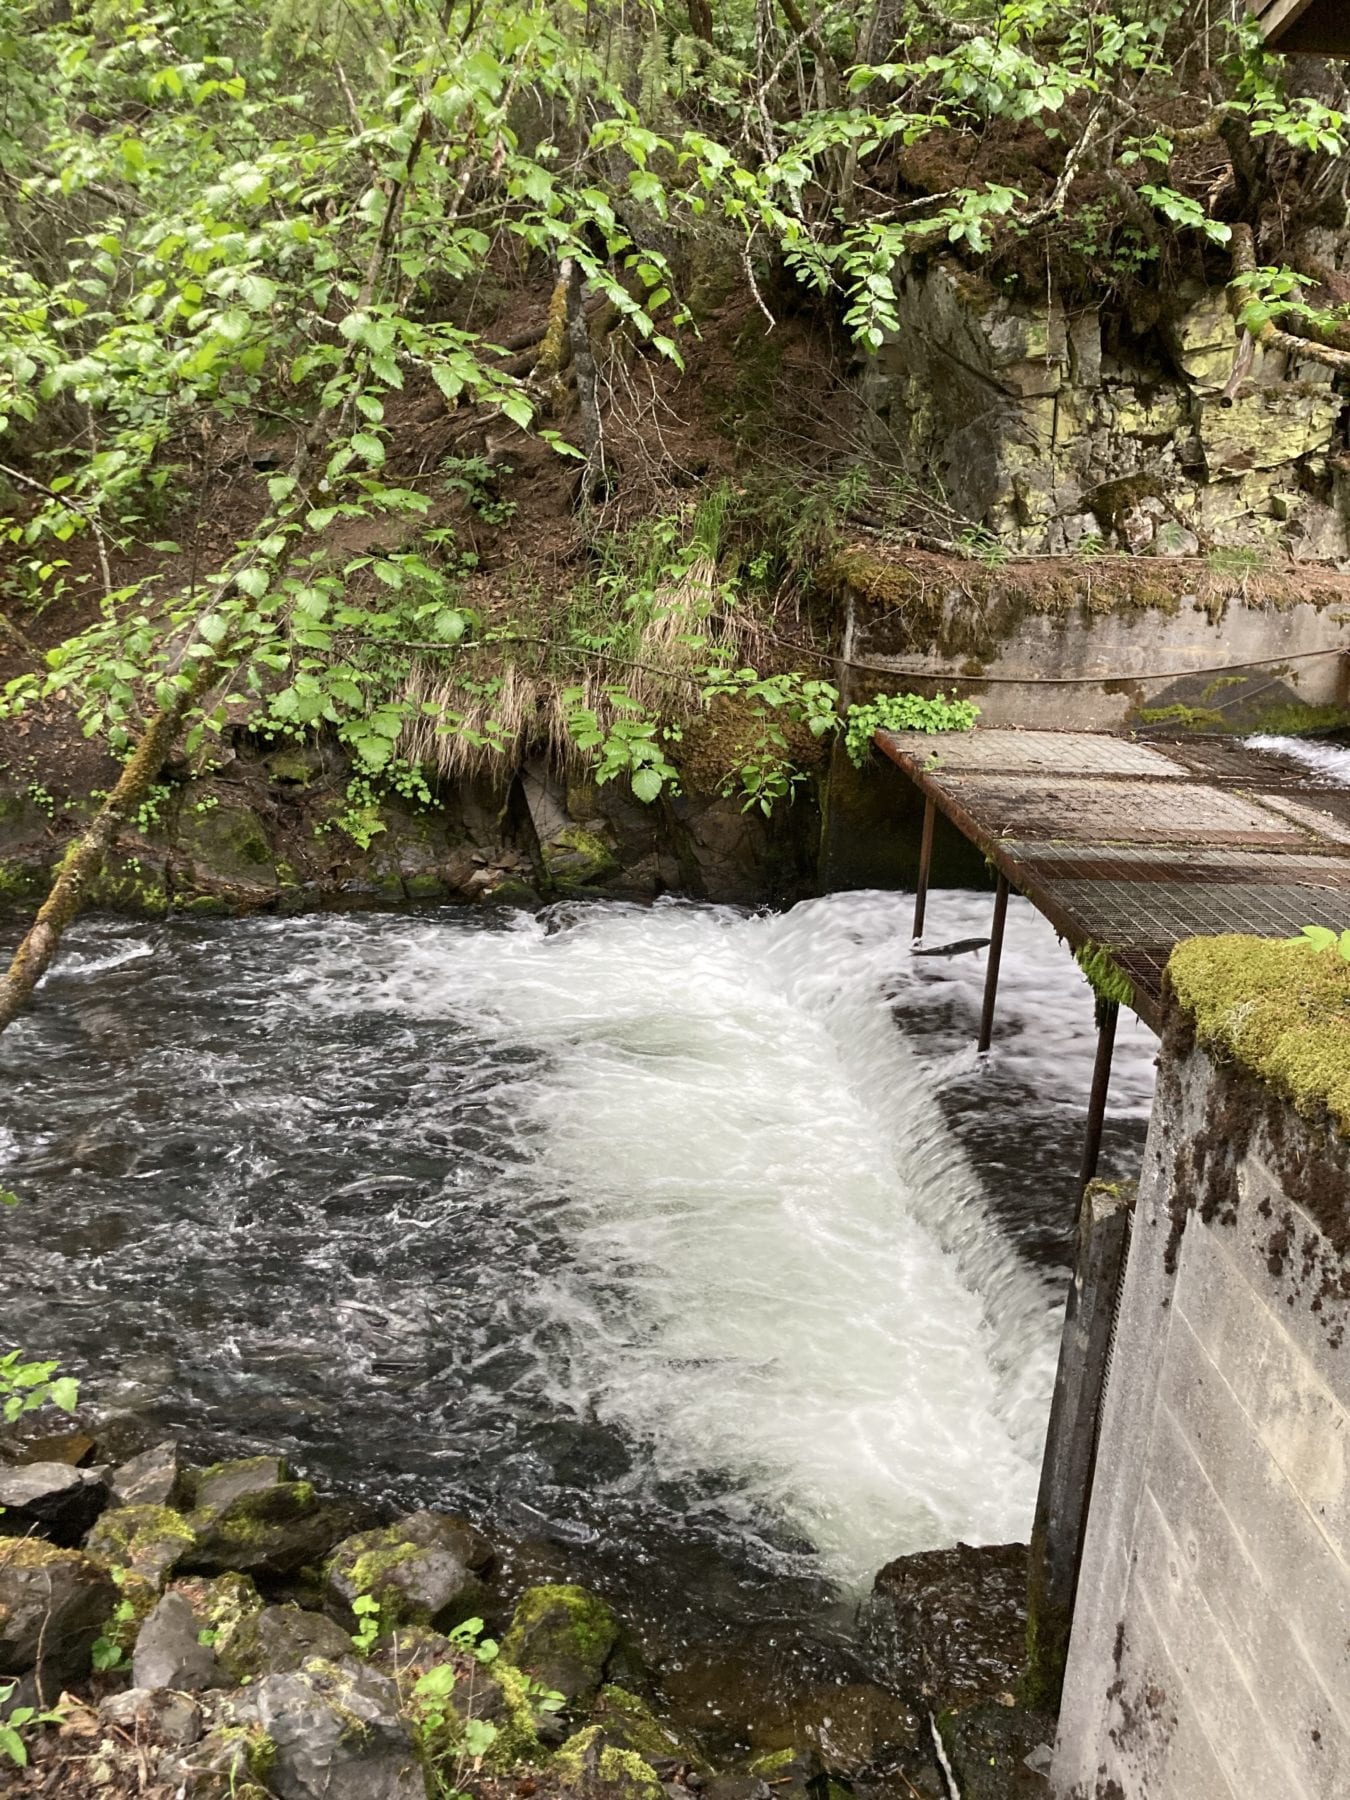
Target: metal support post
(925, 864)
(1108, 1011)
(995, 956)
(1071, 1442)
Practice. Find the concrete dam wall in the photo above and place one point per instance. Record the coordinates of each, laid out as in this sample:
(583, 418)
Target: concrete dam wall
(1210, 1653)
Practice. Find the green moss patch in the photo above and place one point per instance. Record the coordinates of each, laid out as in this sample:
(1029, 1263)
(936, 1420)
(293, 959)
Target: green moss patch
(586, 1761)
(148, 1540)
(1279, 1007)
(563, 1636)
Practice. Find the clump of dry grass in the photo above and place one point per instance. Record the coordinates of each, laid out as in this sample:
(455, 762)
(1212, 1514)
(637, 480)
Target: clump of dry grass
(634, 637)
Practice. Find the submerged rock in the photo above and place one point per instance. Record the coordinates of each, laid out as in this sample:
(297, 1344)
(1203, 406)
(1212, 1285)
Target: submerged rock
(53, 1603)
(948, 1627)
(53, 1498)
(148, 1540)
(854, 1726)
(169, 1653)
(422, 1570)
(999, 1752)
(328, 1733)
(630, 1724)
(562, 1636)
(788, 1774)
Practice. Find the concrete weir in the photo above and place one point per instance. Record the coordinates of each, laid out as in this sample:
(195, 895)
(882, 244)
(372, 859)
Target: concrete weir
(1192, 1542)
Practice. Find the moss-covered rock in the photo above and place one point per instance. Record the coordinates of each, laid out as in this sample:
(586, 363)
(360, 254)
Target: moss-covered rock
(422, 1571)
(219, 1602)
(577, 857)
(230, 842)
(1279, 1007)
(587, 1763)
(630, 1724)
(148, 1540)
(256, 1524)
(278, 1638)
(562, 1637)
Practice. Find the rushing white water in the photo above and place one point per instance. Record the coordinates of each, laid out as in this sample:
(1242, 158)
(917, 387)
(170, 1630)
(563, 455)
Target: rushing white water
(1331, 760)
(685, 1238)
(781, 1270)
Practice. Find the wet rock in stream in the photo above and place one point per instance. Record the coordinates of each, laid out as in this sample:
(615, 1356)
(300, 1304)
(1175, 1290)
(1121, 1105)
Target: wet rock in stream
(238, 1691)
(947, 1628)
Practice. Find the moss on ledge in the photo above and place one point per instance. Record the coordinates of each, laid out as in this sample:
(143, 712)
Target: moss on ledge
(1279, 1007)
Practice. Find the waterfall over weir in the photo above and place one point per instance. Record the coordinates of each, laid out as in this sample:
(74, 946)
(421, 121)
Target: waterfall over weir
(603, 1217)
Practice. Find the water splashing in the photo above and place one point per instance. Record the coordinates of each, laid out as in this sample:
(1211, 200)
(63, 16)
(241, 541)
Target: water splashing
(593, 1218)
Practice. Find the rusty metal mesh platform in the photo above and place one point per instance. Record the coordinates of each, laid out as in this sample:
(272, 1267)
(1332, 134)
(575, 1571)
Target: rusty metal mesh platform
(1137, 846)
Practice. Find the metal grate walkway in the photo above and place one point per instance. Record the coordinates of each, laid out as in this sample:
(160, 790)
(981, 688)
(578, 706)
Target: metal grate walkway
(1135, 846)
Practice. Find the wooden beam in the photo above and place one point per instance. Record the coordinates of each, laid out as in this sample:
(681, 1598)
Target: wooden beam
(1304, 27)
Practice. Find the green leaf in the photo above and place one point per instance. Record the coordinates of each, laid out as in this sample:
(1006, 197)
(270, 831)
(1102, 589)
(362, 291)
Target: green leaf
(1317, 937)
(369, 448)
(258, 292)
(647, 784)
(253, 582)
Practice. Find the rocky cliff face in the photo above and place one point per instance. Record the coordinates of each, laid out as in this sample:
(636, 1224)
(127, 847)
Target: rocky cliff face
(1056, 427)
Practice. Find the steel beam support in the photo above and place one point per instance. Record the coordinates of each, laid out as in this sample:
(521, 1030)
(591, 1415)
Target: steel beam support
(1108, 1012)
(925, 863)
(995, 957)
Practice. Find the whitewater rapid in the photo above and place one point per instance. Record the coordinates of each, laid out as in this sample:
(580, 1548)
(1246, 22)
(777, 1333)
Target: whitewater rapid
(781, 1270)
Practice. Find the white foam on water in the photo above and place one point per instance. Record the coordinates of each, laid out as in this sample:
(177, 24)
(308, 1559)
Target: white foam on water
(782, 1277)
(1330, 760)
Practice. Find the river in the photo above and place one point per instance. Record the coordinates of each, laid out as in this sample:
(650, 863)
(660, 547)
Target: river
(693, 1247)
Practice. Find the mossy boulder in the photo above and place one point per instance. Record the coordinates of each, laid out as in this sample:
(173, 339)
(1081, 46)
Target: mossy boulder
(228, 842)
(150, 1541)
(53, 1604)
(562, 1637)
(630, 1724)
(220, 1483)
(248, 1517)
(423, 1571)
(578, 857)
(277, 1638)
(588, 1763)
(220, 1603)
(1279, 1007)
(494, 1692)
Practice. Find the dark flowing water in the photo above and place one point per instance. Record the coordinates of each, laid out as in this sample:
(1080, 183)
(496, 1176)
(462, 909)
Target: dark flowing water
(695, 1250)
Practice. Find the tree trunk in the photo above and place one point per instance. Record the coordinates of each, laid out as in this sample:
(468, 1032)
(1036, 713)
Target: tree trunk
(81, 864)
